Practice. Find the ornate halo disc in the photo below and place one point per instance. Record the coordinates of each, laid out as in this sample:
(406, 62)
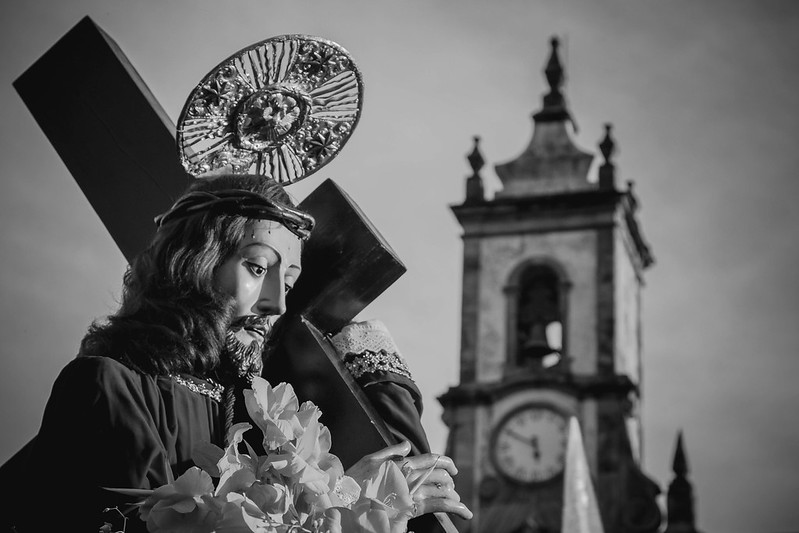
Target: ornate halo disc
(282, 108)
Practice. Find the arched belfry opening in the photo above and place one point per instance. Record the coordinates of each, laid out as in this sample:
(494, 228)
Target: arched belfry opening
(537, 296)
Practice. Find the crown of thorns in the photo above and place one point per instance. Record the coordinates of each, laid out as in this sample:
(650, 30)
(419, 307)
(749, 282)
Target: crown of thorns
(242, 203)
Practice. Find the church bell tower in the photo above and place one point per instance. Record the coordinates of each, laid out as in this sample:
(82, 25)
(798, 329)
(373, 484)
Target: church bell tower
(550, 328)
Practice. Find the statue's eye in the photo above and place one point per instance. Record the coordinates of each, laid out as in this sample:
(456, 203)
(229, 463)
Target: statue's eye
(256, 269)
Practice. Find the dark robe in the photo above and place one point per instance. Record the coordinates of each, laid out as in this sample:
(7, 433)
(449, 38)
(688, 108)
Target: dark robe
(106, 425)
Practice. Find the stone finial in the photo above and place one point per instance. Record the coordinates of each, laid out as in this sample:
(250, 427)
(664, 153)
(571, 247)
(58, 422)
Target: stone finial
(607, 171)
(554, 109)
(554, 69)
(607, 146)
(476, 158)
(474, 184)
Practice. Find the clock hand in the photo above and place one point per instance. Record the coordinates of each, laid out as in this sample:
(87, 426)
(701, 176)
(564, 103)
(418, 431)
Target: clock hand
(518, 436)
(530, 441)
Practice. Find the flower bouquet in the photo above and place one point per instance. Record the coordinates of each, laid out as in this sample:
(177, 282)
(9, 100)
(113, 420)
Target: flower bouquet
(298, 486)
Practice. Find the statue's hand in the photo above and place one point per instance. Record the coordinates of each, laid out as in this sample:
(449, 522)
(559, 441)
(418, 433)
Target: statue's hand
(432, 487)
(429, 478)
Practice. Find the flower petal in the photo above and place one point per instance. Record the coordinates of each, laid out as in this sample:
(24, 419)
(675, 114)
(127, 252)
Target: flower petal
(207, 456)
(235, 481)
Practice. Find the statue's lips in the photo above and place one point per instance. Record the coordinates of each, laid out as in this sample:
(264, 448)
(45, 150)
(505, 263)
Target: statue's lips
(255, 326)
(258, 332)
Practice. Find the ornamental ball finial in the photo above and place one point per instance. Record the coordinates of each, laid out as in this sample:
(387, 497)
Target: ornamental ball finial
(475, 158)
(607, 146)
(554, 69)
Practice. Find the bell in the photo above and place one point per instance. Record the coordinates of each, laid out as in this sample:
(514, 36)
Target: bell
(536, 346)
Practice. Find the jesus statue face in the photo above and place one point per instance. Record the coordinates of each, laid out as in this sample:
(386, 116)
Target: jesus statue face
(258, 276)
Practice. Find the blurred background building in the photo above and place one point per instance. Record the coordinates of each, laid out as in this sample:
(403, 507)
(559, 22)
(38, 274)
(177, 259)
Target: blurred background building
(553, 272)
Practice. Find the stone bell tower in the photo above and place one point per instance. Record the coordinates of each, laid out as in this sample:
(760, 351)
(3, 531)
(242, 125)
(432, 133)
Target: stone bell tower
(551, 328)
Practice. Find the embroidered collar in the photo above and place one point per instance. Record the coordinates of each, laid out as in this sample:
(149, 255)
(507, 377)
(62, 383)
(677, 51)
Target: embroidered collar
(206, 387)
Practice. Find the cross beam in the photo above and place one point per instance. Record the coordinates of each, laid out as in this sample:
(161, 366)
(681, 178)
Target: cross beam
(110, 131)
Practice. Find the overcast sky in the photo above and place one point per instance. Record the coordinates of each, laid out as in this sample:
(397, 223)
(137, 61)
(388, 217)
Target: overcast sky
(704, 99)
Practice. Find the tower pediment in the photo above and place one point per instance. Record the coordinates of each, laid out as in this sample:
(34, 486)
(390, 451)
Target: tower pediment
(551, 163)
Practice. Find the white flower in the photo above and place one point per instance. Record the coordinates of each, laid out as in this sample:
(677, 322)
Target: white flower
(186, 505)
(274, 411)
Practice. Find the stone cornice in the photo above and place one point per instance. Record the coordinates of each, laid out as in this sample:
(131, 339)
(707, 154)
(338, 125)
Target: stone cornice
(581, 386)
(568, 211)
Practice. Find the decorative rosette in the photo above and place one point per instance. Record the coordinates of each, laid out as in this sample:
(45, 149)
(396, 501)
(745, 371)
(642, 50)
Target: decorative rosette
(282, 108)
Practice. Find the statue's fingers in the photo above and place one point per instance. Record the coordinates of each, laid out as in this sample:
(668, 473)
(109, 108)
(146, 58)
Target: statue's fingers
(436, 490)
(437, 476)
(427, 461)
(390, 453)
(368, 465)
(445, 505)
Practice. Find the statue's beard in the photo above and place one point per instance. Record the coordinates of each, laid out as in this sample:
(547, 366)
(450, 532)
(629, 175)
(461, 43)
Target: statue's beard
(242, 356)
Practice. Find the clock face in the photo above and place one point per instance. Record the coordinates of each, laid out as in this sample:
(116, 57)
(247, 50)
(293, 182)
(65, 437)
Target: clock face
(529, 445)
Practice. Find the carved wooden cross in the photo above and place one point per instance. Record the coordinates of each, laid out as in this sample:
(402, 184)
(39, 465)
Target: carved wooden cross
(119, 145)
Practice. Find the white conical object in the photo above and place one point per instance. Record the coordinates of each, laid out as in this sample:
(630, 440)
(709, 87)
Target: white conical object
(580, 509)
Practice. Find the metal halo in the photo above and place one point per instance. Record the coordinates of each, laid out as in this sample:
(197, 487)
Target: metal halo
(283, 107)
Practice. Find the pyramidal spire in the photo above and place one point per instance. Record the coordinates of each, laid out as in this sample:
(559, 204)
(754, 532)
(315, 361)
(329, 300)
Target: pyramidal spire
(680, 499)
(680, 464)
(580, 508)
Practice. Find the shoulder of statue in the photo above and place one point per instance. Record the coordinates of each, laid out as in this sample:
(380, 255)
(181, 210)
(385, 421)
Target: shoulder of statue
(111, 377)
(94, 386)
(100, 369)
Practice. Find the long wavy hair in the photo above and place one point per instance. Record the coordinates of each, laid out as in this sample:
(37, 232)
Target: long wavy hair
(172, 318)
